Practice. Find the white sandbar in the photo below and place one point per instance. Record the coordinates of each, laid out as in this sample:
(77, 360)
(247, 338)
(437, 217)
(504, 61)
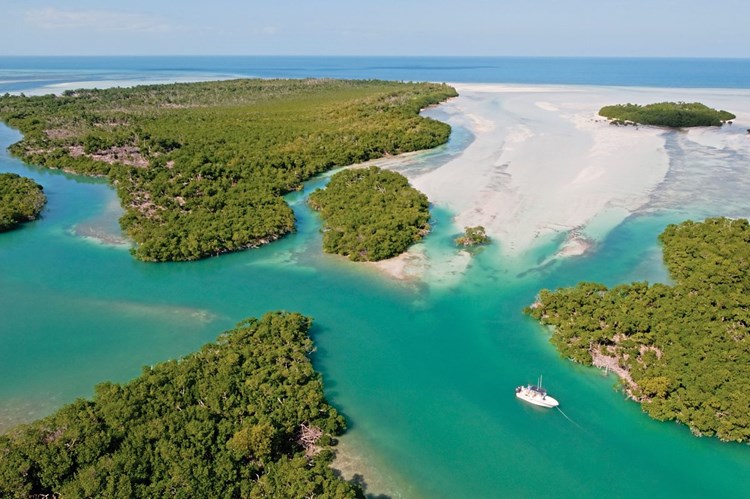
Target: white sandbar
(543, 161)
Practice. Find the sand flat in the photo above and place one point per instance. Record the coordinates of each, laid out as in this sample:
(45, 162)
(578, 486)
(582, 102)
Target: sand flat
(544, 166)
(548, 164)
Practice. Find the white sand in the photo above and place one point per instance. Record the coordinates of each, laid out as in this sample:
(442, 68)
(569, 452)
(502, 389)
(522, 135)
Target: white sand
(548, 165)
(440, 267)
(543, 163)
(59, 88)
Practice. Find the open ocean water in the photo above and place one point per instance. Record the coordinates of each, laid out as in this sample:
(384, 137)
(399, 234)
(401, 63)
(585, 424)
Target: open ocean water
(424, 373)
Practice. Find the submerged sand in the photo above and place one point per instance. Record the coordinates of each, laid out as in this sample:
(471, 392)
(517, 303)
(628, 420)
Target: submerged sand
(544, 168)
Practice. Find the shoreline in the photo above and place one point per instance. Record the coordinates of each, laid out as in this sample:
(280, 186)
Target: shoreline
(506, 429)
(354, 463)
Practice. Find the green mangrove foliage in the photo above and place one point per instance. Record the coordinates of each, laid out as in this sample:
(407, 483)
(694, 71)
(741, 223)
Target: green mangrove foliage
(21, 200)
(671, 114)
(200, 167)
(243, 417)
(683, 351)
(473, 236)
(370, 214)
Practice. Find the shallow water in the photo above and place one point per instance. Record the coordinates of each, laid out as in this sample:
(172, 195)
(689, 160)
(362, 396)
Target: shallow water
(424, 371)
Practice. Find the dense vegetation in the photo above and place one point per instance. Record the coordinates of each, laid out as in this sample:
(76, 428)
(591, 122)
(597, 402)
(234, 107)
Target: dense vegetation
(21, 200)
(200, 167)
(370, 214)
(473, 236)
(671, 114)
(243, 417)
(682, 350)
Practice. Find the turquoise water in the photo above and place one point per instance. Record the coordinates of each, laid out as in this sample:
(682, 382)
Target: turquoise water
(425, 373)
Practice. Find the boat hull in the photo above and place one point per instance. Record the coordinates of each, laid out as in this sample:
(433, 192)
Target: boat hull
(545, 401)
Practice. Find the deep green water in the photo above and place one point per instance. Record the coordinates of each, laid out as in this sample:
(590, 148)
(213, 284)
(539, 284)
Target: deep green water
(425, 373)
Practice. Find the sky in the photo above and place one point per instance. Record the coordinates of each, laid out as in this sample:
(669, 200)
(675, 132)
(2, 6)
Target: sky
(620, 28)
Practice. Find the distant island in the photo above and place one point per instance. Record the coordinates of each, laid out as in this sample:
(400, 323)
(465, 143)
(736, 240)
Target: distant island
(370, 214)
(21, 200)
(682, 351)
(669, 114)
(243, 417)
(200, 168)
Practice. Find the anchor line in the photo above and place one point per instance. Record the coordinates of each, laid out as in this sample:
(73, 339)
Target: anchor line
(566, 417)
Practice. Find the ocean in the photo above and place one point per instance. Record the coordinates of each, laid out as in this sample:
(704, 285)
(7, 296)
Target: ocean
(424, 372)
(27, 73)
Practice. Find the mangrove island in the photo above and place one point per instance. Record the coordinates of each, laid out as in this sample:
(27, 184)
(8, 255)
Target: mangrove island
(243, 417)
(200, 168)
(370, 214)
(473, 236)
(668, 114)
(682, 351)
(21, 200)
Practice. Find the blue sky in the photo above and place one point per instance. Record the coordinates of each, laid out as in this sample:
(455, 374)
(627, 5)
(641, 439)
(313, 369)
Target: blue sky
(686, 28)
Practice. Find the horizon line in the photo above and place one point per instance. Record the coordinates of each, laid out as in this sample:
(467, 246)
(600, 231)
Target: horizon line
(392, 56)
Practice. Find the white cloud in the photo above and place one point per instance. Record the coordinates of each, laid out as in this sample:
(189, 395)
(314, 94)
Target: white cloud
(51, 18)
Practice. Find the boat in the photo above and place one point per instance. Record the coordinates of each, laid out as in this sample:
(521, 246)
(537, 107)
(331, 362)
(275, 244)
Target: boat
(535, 394)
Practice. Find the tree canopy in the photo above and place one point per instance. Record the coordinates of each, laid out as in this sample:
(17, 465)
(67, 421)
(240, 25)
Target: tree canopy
(682, 350)
(243, 417)
(200, 167)
(21, 200)
(370, 214)
(473, 236)
(670, 114)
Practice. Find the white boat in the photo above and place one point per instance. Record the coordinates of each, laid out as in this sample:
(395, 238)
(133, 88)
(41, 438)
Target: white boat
(535, 394)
